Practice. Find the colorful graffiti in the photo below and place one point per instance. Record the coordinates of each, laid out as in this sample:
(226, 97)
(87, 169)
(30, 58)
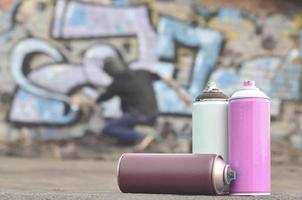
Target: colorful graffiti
(51, 49)
(74, 20)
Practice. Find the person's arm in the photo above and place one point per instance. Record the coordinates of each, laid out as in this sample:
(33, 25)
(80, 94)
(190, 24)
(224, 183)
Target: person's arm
(77, 101)
(106, 96)
(103, 97)
(182, 94)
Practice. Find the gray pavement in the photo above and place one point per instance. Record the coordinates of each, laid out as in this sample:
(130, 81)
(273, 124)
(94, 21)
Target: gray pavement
(22, 178)
(120, 196)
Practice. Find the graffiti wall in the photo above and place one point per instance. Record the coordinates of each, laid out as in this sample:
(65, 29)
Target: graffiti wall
(51, 49)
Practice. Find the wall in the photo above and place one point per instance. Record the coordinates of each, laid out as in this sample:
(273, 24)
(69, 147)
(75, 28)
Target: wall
(52, 49)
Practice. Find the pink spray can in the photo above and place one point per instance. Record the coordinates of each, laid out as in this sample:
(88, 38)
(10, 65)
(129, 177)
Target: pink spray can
(249, 141)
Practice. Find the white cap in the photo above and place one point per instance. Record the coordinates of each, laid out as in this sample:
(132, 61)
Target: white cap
(249, 90)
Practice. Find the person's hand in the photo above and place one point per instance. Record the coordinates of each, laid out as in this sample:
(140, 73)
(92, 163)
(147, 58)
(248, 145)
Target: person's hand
(92, 104)
(76, 101)
(187, 100)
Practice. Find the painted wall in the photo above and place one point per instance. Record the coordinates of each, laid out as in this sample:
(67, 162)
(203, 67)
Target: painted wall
(50, 49)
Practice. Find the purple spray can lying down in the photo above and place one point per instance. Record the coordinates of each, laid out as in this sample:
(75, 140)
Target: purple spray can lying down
(174, 174)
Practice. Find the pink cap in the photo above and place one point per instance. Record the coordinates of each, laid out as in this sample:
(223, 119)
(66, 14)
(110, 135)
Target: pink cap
(249, 90)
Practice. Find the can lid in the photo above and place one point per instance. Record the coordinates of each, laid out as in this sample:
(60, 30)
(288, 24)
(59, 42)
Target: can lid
(222, 176)
(211, 92)
(249, 89)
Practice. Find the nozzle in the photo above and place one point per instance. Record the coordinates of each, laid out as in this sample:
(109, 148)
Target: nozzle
(211, 86)
(249, 83)
(230, 175)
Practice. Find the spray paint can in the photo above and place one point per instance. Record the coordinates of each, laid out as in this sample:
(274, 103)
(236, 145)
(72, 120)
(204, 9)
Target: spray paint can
(249, 140)
(209, 115)
(174, 174)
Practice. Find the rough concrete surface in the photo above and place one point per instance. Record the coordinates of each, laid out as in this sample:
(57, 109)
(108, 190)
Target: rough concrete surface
(120, 196)
(23, 178)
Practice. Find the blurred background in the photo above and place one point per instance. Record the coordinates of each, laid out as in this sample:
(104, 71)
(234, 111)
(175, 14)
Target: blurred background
(51, 50)
(54, 61)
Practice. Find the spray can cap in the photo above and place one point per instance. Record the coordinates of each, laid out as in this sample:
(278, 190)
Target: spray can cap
(211, 92)
(249, 90)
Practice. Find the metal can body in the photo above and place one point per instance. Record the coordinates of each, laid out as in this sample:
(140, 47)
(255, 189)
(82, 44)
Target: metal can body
(173, 174)
(249, 145)
(209, 127)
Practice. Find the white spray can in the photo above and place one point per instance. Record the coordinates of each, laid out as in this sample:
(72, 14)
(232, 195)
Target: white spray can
(210, 122)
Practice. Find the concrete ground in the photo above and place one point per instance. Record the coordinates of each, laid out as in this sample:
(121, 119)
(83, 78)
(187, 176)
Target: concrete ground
(23, 178)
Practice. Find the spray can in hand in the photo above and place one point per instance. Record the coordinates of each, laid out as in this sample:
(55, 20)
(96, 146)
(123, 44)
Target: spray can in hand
(209, 116)
(249, 140)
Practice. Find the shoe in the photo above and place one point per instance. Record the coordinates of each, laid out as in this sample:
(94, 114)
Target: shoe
(144, 143)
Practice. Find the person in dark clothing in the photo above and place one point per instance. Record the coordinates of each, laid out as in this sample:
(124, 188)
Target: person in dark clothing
(138, 100)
